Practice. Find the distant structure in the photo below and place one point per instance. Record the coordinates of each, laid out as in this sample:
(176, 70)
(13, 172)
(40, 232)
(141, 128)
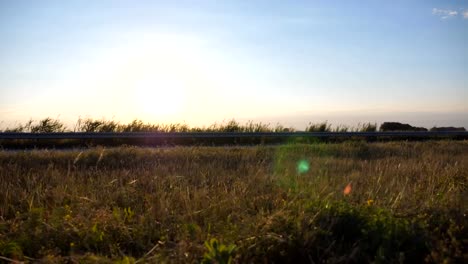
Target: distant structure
(442, 129)
(396, 126)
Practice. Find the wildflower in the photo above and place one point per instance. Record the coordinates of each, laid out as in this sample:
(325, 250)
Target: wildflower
(370, 202)
(67, 217)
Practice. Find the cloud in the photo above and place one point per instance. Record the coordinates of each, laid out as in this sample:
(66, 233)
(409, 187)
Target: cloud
(445, 13)
(465, 14)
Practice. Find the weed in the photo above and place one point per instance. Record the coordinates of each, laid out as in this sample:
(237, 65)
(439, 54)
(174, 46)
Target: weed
(218, 253)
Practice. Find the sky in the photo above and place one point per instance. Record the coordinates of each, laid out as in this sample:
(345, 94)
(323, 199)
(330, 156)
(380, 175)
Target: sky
(201, 62)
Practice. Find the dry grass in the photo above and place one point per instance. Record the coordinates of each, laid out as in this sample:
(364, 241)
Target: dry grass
(407, 203)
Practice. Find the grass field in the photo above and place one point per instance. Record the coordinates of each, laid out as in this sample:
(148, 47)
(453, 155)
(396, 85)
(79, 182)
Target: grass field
(326, 202)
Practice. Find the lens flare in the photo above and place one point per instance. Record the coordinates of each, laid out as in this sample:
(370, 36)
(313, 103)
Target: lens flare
(302, 166)
(347, 189)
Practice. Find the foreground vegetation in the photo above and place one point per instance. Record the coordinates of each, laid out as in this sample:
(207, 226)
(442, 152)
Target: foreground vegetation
(348, 202)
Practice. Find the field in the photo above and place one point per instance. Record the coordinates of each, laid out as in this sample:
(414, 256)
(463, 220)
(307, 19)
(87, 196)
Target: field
(323, 202)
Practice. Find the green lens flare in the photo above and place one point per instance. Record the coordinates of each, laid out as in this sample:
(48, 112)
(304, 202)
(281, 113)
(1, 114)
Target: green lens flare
(302, 166)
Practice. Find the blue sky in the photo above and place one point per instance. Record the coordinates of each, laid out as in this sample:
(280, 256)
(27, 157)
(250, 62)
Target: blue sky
(202, 62)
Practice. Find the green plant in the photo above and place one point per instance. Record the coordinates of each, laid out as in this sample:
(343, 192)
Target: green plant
(125, 260)
(218, 253)
(10, 249)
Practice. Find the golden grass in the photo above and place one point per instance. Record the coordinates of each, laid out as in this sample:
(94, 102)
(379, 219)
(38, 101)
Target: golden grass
(162, 205)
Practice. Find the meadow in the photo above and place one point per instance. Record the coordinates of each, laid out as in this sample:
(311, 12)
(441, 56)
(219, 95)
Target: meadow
(353, 202)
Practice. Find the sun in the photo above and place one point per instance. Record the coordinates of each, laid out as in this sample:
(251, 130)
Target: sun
(160, 95)
(158, 78)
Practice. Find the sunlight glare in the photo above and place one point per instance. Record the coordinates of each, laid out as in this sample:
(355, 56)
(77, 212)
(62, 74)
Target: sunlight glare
(160, 96)
(160, 73)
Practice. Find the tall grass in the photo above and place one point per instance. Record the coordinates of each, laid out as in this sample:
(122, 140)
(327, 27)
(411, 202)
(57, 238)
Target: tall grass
(326, 127)
(407, 203)
(48, 125)
(92, 125)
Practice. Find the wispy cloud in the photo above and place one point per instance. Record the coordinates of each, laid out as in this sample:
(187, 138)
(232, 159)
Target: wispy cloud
(445, 13)
(465, 14)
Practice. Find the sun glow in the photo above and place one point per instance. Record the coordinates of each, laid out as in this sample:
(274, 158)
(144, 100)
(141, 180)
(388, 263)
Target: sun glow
(160, 96)
(168, 78)
(159, 76)
(162, 76)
